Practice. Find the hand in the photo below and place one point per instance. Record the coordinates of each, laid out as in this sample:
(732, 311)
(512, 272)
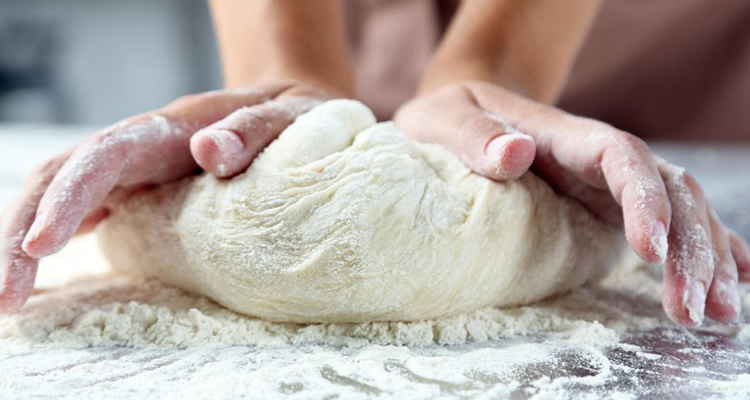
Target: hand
(224, 130)
(614, 174)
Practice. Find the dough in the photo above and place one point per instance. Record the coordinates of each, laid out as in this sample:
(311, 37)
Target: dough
(345, 220)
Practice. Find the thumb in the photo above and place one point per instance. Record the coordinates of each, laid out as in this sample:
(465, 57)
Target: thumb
(227, 147)
(485, 142)
(507, 153)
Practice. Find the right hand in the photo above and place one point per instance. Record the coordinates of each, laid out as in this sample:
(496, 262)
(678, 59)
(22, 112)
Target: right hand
(614, 174)
(220, 131)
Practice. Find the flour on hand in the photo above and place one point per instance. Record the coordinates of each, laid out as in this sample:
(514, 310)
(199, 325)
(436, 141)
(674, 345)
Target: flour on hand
(345, 220)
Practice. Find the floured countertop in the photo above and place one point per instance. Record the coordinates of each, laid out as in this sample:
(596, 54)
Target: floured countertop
(86, 332)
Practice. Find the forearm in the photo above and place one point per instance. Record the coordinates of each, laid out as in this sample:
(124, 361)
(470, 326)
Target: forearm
(527, 46)
(280, 40)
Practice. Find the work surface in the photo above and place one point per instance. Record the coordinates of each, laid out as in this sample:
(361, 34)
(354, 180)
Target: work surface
(663, 362)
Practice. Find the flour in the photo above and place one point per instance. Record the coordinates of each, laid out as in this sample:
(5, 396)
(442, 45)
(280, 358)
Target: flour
(101, 308)
(89, 329)
(149, 333)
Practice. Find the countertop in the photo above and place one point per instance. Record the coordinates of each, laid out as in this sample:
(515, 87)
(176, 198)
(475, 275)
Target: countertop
(678, 358)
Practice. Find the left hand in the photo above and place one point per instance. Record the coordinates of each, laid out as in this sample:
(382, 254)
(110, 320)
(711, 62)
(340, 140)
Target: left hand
(220, 131)
(614, 174)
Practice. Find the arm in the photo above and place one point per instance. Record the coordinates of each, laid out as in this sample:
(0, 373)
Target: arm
(526, 46)
(486, 96)
(281, 57)
(281, 40)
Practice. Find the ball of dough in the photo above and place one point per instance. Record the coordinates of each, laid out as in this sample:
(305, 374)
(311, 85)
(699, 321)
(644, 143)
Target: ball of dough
(342, 219)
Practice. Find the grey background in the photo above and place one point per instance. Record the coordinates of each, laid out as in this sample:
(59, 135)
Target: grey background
(94, 62)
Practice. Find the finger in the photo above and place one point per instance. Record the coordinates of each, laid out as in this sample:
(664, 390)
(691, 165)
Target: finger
(98, 214)
(17, 269)
(150, 148)
(502, 151)
(127, 153)
(723, 300)
(601, 156)
(599, 201)
(634, 180)
(227, 147)
(485, 142)
(741, 255)
(197, 111)
(690, 263)
(93, 219)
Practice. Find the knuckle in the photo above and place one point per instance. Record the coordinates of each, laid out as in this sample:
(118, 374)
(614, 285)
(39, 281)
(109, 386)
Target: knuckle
(187, 100)
(689, 179)
(103, 137)
(302, 89)
(403, 115)
(719, 234)
(411, 120)
(630, 142)
(691, 183)
(449, 93)
(254, 116)
(638, 144)
(406, 119)
(684, 181)
(471, 85)
(100, 142)
(736, 239)
(478, 128)
(46, 170)
(245, 121)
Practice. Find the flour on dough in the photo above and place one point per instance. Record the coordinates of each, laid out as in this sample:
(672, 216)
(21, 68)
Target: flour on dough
(343, 219)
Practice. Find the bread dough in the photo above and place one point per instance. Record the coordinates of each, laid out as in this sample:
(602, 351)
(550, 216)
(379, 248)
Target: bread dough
(345, 220)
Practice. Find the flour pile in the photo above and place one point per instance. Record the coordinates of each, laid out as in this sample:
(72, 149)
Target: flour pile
(101, 308)
(87, 331)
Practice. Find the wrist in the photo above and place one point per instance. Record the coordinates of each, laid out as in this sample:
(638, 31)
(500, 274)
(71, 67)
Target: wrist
(283, 40)
(440, 74)
(296, 80)
(527, 47)
(332, 86)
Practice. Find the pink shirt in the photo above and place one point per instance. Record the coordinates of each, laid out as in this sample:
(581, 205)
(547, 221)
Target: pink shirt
(669, 70)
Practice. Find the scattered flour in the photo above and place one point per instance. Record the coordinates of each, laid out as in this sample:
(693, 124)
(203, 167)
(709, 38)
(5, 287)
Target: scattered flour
(81, 303)
(86, 330)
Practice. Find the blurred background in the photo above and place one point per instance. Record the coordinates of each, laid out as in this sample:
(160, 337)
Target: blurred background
(94, 62)
(70, 67)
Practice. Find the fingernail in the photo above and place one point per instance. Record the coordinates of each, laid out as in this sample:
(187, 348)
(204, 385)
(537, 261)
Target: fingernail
(695, 302)
(659, 241)
(31, 235)
(509, 164)
(498, 145)
(228, 144)
(728, 295)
